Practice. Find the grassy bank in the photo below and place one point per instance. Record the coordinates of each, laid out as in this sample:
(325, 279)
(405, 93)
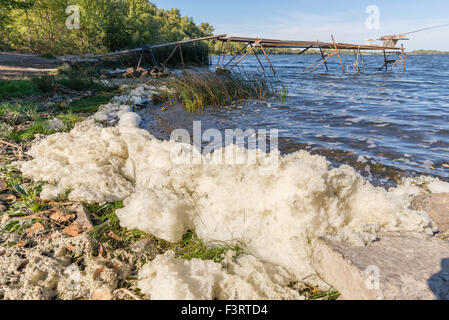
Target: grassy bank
(198, 89)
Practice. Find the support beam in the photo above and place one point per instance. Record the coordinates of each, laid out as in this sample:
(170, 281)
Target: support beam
(361, 59)
(180, 52)
(305, 50)
(356, 63)
(403, 58)
(171, 55)
(338, 54)
(310, 66)
(153, 59)
(244, 56)
(268, 59)
(257, 57)
(235, 56)
(325, 62)
(140, 59)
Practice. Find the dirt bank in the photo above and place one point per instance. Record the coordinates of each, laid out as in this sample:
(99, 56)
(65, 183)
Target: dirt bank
(18, 65)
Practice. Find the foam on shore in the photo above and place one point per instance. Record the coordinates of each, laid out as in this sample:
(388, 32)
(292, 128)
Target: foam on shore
(276, 217)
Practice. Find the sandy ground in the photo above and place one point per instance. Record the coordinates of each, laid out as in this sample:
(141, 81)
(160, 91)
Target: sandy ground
(16, 65)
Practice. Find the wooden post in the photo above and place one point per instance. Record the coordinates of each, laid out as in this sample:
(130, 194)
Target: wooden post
(268, 59)
(171, 55)
(153, 59)
(235, 56)
(257, 57)
(338, 54)
(245, 55)
(180, 52)
(325, 62)
(361, 59)
(403, 58)
(224, 53)
(304, 51)
(310, 66)
(356, 61)
(140, 60)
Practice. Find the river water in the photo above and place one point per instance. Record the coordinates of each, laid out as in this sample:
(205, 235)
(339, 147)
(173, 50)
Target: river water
(383, 123)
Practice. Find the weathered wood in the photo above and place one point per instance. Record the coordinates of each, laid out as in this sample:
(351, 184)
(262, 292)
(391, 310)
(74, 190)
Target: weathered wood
(338, 54)
(245, 55)
(235, 56)
(162, 45)
(325, 62)
(257, 57)
(268, 59)
(171, 55)
(272, 43)
(180, 52)
(403, 59)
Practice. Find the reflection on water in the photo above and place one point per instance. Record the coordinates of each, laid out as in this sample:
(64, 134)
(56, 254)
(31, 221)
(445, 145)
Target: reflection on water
(393, 119)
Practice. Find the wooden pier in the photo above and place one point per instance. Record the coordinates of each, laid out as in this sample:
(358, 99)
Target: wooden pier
(258, 46)
(251, 44)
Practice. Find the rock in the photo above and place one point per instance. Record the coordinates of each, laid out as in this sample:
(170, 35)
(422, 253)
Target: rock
(3, 186)
(4, 219)
(146, 245)
(35, 229)
(73, 230)
(7, 197)
(397, 267)
(437, 206)
(2, 208)
(56, 124)
(102, 294)
(60, 217)
(129, 71)
(82, 216)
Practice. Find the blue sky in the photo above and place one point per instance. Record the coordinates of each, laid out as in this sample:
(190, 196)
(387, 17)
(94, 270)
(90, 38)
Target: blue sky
(317, 20)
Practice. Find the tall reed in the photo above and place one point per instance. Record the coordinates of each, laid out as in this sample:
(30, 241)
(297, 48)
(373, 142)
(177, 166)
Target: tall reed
(198, 89)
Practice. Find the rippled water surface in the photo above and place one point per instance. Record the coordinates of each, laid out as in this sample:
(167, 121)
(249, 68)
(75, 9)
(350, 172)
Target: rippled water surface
(393, 119)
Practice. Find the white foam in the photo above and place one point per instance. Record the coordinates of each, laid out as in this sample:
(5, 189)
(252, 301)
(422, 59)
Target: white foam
(245, 278)
(277, 216)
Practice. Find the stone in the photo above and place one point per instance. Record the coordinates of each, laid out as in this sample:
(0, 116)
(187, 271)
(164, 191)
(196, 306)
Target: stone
(2, 208)
(4, 218)
(3, 185)
(60, 217)
(82, 216)
(146, 245)
(7, 197)
(437, 206)
(397, 267)
(102, 294)
(35, 229)
(73, 230)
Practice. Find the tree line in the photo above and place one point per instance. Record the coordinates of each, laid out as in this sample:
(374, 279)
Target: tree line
(104, 25)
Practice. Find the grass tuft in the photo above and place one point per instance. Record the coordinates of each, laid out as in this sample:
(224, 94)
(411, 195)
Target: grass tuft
(198, 89)
(10, 89)
(191, 247)
(90, 104)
